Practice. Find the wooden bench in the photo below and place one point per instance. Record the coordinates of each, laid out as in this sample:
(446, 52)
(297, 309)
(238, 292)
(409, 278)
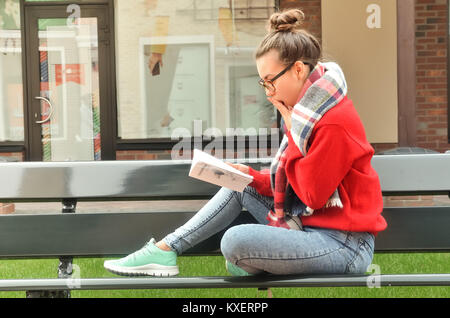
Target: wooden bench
(68, 234)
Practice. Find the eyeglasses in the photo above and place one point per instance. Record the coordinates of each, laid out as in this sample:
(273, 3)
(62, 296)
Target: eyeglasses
(268, 84)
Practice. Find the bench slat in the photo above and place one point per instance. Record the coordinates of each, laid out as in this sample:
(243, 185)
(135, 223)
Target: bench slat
(106, 234)
(165, 179)
(24, 181)
(429, 173)
(226, 282)
(102, 234)
(415, 229)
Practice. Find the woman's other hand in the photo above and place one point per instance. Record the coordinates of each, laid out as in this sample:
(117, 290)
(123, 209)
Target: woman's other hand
(285, 111)
(240, 167)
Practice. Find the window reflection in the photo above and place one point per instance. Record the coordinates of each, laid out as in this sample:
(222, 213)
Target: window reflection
(188, 61)
(11, 100)
(178, 91)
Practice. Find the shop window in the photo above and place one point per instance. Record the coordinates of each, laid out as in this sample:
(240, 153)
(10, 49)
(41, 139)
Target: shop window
(205, 78)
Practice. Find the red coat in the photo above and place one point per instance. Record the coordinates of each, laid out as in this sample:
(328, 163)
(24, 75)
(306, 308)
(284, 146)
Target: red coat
(339, 156)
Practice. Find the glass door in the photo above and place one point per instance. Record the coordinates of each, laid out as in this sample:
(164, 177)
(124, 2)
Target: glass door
(68, 100)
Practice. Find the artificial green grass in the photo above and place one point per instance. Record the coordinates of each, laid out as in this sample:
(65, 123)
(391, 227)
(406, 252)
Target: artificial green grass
(413, 263)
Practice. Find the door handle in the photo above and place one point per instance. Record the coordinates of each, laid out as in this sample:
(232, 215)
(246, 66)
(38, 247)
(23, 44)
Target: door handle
(51, 109)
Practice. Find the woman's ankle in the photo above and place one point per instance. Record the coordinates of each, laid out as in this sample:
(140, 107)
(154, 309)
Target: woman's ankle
(163, 246)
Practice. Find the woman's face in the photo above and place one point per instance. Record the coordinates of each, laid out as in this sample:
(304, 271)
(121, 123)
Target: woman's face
(288, 86)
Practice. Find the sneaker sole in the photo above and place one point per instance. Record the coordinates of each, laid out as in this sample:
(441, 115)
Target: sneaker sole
(146, 270)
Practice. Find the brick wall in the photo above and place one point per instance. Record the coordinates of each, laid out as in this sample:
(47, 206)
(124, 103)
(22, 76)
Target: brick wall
(142, 155)
(13, 156)
(313, 13)
(431, 19)
(8, 208)
(431, 60)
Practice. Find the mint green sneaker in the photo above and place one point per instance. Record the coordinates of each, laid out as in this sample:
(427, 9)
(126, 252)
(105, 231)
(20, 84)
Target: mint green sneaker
(235, 270)
(149, 260)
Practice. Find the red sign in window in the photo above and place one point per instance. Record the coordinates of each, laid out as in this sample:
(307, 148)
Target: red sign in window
(71, 72)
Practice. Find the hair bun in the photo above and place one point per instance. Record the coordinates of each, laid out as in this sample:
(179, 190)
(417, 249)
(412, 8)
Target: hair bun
(286, 21)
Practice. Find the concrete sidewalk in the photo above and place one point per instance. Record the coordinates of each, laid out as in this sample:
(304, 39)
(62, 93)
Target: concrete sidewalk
(112, 206)
(187, 205)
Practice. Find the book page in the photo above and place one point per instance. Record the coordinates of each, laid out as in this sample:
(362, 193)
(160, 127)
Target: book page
(210, 169)
(207, 158)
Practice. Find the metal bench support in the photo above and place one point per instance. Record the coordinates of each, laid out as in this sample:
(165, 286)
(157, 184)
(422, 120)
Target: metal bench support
(65, 267)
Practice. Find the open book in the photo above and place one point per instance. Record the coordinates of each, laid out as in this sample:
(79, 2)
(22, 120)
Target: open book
(210, 169)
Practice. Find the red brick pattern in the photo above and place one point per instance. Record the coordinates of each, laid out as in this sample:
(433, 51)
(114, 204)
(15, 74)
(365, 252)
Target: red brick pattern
(313, 13)
(7, 208)
(431, 71)
(13, 155)
(141, 155)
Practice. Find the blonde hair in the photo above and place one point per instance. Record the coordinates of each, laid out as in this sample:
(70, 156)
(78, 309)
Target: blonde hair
(286, 36)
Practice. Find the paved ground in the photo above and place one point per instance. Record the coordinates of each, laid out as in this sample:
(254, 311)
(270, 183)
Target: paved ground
(114, 206)
(179, 205)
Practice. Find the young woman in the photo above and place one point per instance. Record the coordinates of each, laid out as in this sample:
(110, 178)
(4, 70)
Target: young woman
(321, 174)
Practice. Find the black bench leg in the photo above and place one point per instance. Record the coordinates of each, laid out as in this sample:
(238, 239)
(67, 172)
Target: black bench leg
(48, 294)
(65, 268)
(64, 271)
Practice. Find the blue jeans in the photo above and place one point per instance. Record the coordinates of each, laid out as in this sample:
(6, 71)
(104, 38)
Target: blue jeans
(258, 248)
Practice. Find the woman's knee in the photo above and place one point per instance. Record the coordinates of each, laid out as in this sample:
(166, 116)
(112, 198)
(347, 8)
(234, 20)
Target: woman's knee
(234, 243)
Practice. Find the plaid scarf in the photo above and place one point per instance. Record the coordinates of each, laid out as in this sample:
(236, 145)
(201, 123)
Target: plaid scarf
(324, 89)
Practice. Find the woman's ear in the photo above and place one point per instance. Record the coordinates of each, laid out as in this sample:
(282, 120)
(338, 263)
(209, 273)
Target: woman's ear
(302, 70)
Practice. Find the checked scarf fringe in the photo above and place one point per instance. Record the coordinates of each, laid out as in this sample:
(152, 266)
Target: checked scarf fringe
(324, 89)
